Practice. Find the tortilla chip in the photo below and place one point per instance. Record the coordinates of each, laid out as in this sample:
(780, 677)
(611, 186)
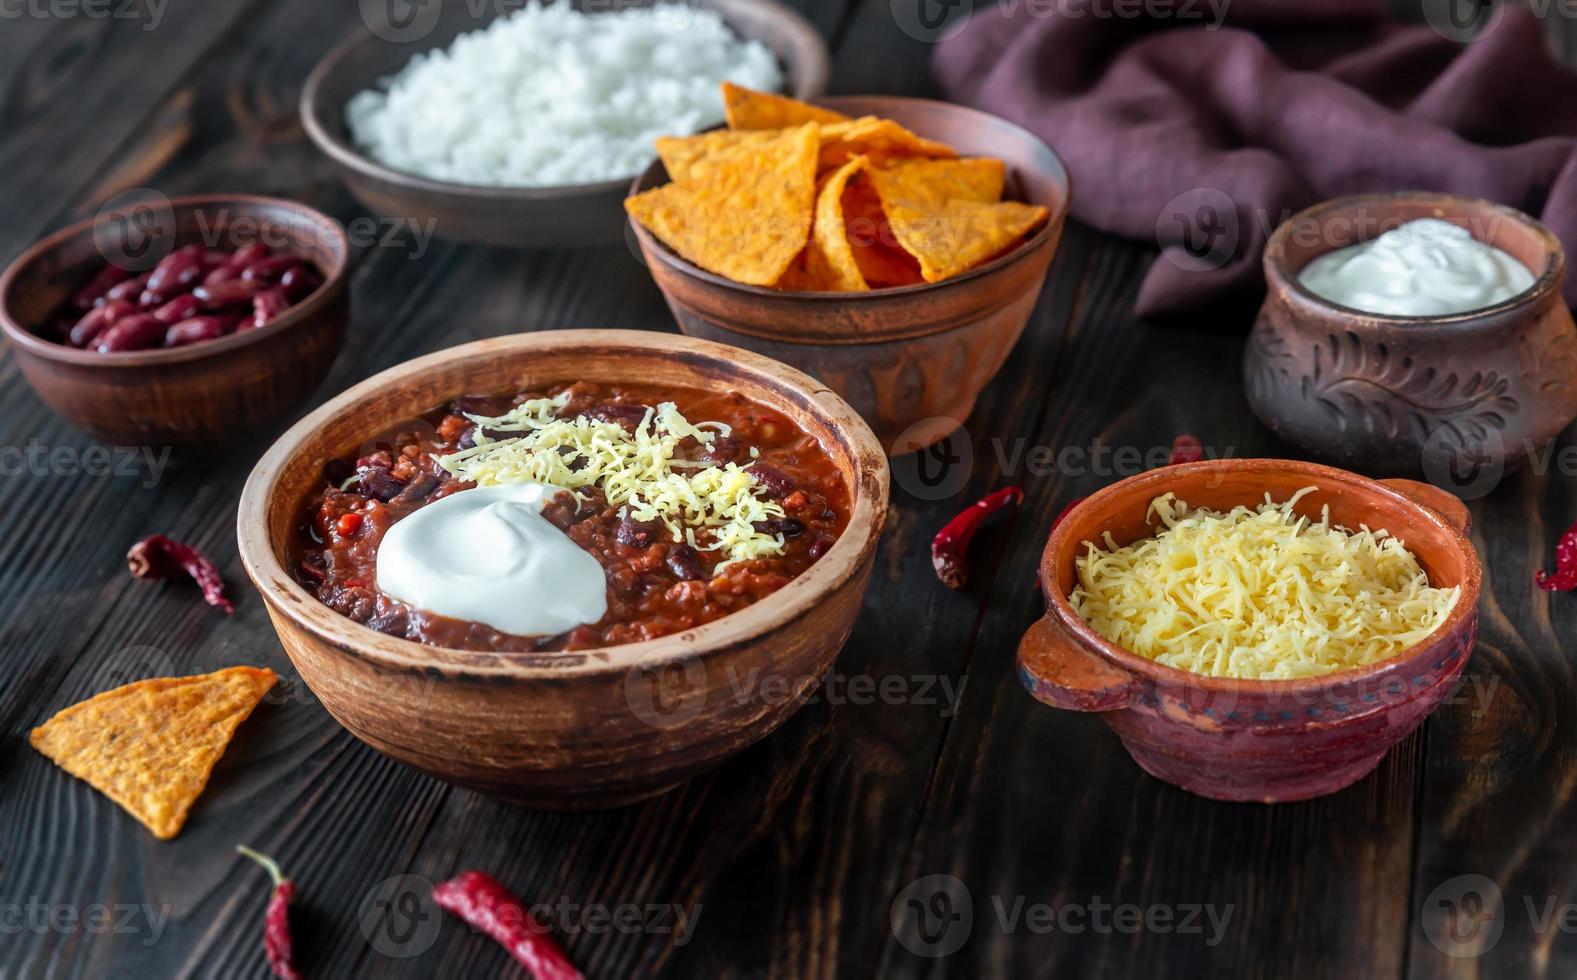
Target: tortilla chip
(827, 264)
(689, 158)
(882, 261)
(882, 140)
(939, 217)
(749, 109)
(151, 745)
(749, 218)
(936, 182)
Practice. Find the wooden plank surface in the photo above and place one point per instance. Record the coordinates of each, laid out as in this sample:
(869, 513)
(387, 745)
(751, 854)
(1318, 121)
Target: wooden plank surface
(791, 860)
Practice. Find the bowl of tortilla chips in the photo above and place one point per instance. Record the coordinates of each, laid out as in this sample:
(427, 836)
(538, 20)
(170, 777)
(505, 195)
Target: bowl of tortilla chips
(892, 247)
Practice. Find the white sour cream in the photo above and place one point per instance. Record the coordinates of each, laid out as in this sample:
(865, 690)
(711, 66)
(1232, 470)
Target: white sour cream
(487, 555)
(1426, 267)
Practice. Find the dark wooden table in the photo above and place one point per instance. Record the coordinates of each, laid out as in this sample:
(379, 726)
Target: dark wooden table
(791, 860)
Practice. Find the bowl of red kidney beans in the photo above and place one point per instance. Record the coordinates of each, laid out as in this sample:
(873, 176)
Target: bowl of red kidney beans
(194, 295)
(189, 324)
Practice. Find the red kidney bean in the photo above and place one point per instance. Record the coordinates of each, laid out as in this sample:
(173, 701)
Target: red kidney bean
(132, 333)
(195, 330)
(634, 533)
(267, 305)
(299, 282)
(775, 481)
(128, 290)
(180, 308)
(269, 269)
(205, 293)
(98, 320)
(685, 563)
(789, 527)
(247, 254)
(181, 268)
(232, 293)
(222, 273)
(106, 279)
(380, 483)
(722, 449)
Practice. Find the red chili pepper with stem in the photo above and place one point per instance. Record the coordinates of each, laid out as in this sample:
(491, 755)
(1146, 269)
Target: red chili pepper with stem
(156, 556)
(950, 547)
(487, 905)
(277, 942)
(1564, 578)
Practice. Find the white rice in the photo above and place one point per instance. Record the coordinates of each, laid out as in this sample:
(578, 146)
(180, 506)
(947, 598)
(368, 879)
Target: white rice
(550, 96)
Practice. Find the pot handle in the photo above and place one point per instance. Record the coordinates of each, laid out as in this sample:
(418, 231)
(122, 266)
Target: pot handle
(1452, 510)
(1060, 672)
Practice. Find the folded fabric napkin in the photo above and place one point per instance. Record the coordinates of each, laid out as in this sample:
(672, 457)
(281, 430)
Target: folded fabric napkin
(1166, 122)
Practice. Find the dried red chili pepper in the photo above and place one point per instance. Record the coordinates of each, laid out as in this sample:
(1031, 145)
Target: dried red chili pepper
(1564, 578)
(487, 905)
(950, 547)
(1186, 449)
(156, 556)
(277, 941)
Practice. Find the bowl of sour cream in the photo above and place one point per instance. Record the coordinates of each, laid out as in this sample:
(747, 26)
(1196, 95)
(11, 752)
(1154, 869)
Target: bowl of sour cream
(1414, 333)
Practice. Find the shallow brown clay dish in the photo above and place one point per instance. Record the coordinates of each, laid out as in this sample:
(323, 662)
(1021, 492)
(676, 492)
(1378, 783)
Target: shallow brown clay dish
(566, 730)
(1460, 397)
(1267, 741)
(511, 217)
(912, 360)
(202, 397)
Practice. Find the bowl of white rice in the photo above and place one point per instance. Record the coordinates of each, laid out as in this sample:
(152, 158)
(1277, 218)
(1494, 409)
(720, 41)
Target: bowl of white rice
(525, 129)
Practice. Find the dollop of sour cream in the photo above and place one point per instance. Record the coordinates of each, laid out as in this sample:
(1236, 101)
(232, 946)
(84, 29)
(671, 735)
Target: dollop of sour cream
(1426, 267)
(487, 555)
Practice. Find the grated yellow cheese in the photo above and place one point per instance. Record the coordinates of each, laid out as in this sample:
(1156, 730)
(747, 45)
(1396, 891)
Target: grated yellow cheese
(710, 507)
(1258, 593)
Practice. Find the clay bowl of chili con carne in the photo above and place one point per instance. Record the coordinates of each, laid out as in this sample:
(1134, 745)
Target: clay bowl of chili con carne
(1255, 740)
(1471, 394)
(198, 398)
(911, 359)
(578, 729)
(568, 216)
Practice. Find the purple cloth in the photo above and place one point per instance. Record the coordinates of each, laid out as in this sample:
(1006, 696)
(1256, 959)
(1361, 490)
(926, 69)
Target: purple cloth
(1165, 126)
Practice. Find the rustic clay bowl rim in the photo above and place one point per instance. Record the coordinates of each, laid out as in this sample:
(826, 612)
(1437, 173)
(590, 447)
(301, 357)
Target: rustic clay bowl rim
(1056, 169)
(332, 233)
(1168, 478)
(1279, 274)
(806, 81)
(285, 596)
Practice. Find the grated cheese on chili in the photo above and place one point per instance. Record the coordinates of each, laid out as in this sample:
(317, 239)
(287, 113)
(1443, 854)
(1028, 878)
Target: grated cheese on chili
(710, 507)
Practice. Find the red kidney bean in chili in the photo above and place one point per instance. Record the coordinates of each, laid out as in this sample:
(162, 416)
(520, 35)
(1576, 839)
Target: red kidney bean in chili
(655, 585)
(195, 294)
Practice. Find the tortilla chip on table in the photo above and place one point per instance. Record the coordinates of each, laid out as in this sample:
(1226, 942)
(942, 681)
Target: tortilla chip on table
(151, 745)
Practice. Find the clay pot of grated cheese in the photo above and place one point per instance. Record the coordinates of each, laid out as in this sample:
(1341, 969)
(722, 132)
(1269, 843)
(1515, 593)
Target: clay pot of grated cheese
(1255, 740)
